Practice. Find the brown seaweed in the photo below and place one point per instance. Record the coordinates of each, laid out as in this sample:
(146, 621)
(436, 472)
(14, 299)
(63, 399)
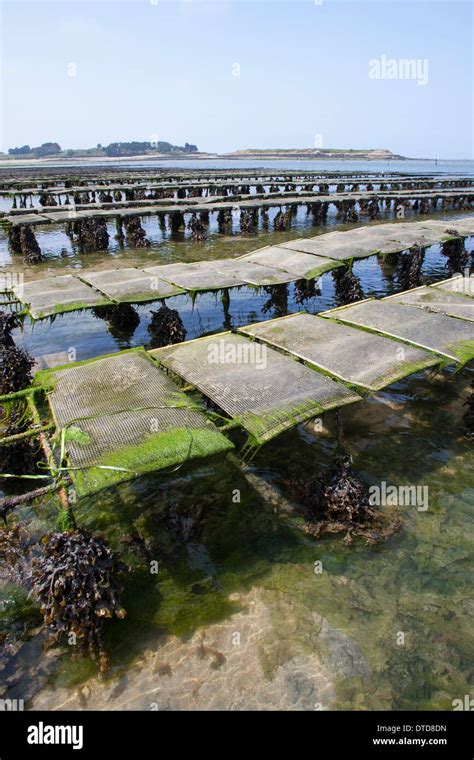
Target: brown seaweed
(76, 582)
(337, 502)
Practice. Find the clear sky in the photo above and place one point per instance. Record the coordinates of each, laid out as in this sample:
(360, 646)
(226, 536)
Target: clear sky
(82, 72)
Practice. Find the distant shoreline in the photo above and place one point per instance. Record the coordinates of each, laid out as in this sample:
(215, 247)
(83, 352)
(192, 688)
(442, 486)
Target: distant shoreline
(59, 161)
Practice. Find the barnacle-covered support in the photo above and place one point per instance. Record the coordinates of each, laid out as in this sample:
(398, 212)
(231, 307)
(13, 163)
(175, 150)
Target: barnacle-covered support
(119, 236)
(14, 240)
(349, 212)
(248, 221)
(47, 199)
(22, 241)
(455, 252)
(374, 209)
(90, 234)
(316, 211)
(161, 221)
(224, 220)
(196, 226)
(323, 214)
(136, 235)
(15, 364)
(409, 268)
(424, 207)
(264, 218)
(18, 450)
(282, 221)
(176, 219)
(166, 327)
(29, 245)
(347, 287)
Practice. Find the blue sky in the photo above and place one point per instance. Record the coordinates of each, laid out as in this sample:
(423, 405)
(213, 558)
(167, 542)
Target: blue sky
(165, 69)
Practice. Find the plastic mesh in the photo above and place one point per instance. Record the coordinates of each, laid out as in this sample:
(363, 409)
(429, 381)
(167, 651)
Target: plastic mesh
(253, 273)
(201, 275)
(56, 294)
(264, 390)
(298, 264)
(458, 284)
(132, 416)
(353, 355)
(446, 335)
(436, 299)
(130, 285)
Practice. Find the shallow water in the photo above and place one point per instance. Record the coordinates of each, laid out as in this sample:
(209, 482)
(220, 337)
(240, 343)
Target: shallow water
(237, 617)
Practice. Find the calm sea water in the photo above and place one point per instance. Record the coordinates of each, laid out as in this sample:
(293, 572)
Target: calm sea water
(306, 639)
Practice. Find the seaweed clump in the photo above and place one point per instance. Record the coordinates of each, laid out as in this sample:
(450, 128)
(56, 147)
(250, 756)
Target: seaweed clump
(166, 327)
(22, 241)
(136, 235)
(89, 234)
(348, 287)
(337, 502)
(455, 252)
(22, 455)
(15, 364)
(196, 226)
(247, 222)
(76, 581)
(409, 268)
